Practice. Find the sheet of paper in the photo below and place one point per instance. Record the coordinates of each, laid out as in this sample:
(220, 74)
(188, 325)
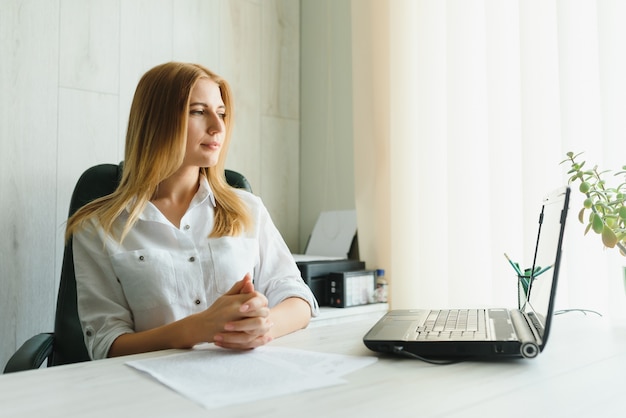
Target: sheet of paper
(214, 377)
(333, 233)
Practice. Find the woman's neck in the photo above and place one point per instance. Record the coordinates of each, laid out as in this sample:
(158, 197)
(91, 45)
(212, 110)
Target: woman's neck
(175, 193)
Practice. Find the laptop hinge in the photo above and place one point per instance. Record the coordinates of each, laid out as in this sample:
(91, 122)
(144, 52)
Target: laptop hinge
(526, 333)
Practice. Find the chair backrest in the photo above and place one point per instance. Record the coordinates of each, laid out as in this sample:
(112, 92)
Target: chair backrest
(237, 180)
(95, 182)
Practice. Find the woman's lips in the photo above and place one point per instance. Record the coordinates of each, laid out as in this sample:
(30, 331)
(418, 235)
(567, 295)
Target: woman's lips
(212, 145)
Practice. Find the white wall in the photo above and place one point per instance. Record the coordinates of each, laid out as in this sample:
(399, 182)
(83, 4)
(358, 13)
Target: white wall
(326, 157)
(67, 76)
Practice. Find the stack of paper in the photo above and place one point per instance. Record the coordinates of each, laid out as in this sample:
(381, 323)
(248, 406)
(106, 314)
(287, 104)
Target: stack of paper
(215, 377)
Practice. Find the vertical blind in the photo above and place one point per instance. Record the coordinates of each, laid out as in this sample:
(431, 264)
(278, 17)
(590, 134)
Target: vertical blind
(463, 110)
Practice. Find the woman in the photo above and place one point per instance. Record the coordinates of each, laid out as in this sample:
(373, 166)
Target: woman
(175, 257)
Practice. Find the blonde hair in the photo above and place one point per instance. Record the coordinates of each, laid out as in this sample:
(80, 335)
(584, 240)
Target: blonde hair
(155, 147)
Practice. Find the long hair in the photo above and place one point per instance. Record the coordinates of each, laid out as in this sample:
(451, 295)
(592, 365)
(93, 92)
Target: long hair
(155, 147)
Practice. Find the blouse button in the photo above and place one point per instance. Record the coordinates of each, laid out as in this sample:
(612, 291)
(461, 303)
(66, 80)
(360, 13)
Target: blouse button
(197, 301)
(141, 258)
(187, 227)
(192, 259)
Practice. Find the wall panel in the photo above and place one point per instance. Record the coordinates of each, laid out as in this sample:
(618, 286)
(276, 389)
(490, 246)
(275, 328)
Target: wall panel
(28, 137)
(69, 71)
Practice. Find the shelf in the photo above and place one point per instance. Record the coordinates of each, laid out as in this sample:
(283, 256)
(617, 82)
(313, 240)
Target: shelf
(333, 315)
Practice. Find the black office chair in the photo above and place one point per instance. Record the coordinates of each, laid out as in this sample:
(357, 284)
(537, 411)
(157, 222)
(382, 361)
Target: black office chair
(66, 345)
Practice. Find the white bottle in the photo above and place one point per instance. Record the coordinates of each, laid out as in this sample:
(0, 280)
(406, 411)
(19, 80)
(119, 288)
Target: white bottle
(380, 294)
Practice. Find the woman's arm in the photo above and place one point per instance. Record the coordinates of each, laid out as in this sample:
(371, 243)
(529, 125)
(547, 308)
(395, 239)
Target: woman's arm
(276, 275)
(241, 304)
(288, 316)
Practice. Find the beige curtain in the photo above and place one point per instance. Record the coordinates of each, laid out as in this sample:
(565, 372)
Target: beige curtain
(463, 110)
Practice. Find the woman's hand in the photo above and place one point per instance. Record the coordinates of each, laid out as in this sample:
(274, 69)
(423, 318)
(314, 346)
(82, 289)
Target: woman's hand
(251, 329)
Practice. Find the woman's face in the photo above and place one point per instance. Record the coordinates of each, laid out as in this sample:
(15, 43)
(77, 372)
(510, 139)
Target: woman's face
(205, 132)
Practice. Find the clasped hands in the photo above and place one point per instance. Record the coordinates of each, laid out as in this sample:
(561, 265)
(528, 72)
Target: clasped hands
(245, 315)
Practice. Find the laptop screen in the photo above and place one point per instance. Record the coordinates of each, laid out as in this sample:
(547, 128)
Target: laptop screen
(539, 303)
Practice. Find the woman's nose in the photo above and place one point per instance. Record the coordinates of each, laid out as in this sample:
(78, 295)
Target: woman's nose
(215, 124)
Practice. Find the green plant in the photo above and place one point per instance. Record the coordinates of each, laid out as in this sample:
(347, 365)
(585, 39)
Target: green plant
(606, 205)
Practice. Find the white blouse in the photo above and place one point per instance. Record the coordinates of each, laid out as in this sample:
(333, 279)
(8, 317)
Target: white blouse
(161, 273)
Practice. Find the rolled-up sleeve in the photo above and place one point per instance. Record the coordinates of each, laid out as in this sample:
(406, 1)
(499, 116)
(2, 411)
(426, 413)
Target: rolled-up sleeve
(277, 275)
(102, 308)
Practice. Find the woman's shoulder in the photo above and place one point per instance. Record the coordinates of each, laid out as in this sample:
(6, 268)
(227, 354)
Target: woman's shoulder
(250, 199)
(91, 227)
(253, 202)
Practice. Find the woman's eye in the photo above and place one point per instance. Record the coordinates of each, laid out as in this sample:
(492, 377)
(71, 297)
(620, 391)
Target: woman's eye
(203, 112)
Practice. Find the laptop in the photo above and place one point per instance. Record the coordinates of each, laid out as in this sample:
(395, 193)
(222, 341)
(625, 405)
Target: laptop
(486, 333)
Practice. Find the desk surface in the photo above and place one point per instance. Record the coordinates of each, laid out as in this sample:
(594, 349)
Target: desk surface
(574, 376)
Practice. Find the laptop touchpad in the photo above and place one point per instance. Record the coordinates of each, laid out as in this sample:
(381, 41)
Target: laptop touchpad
(396, 330)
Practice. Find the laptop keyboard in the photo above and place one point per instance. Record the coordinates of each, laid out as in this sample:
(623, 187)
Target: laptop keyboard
(452, 324)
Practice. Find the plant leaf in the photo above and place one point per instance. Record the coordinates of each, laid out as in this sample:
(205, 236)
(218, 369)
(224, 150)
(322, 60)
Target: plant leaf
(597, 224)
(581, 216)
(609, 239)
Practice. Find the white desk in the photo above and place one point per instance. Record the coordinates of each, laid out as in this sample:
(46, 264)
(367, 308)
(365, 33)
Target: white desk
(573, 377)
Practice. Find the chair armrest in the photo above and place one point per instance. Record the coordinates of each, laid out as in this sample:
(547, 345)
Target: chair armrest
(31, 354)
